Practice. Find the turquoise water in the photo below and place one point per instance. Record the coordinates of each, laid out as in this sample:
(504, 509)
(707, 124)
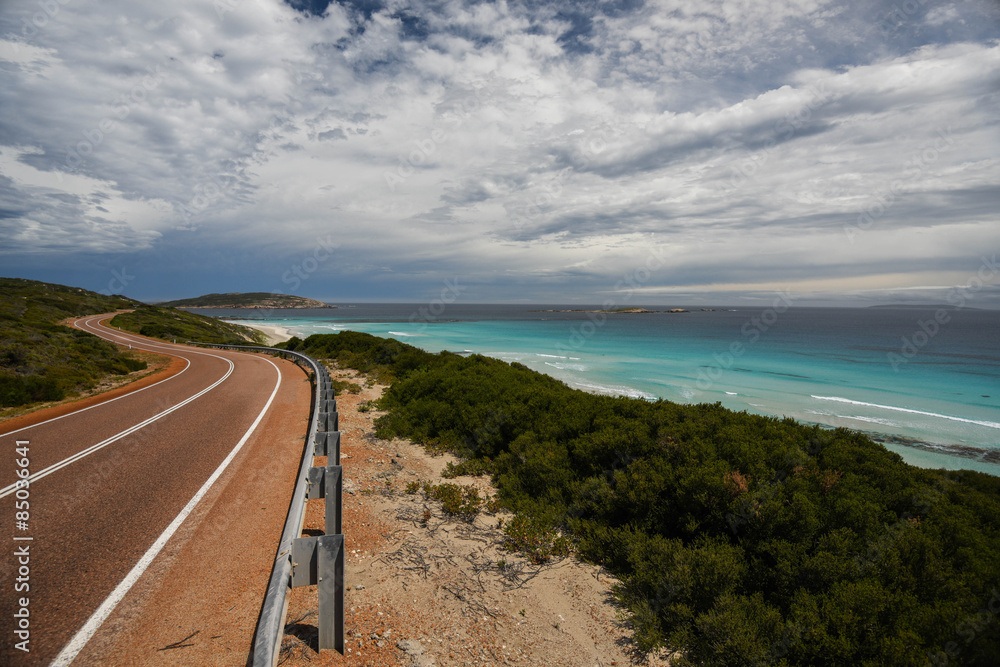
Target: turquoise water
(897, 374)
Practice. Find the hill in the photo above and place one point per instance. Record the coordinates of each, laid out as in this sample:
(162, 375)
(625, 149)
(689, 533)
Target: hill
(43, 360)
(181, 326)
(246, 300)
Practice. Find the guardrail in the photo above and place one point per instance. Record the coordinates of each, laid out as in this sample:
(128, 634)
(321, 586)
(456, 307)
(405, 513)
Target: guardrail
(307, 561)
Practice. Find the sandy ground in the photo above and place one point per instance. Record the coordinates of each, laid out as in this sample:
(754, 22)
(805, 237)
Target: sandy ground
(274, 334)
(428, 589)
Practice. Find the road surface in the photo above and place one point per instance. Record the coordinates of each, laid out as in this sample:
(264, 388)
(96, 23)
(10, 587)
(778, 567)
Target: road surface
(152, 516)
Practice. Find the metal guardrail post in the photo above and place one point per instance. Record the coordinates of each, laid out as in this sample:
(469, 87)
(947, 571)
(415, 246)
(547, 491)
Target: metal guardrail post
(328, 445)
(328, 421)
(334, 482)
(331, 592)
(315, 561)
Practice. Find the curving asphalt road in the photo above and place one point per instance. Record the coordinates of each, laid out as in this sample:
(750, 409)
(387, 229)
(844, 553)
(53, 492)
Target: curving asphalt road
(112, 485)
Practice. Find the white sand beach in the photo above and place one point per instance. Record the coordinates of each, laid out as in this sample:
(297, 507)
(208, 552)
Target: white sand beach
(274, 334)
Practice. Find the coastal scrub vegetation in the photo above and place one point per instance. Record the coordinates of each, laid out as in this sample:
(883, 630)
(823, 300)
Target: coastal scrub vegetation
(173, 324)
(737, 539)
(43, 360)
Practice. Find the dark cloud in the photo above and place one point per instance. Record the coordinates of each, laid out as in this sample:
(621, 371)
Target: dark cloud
(336, 133)
(533, 144)
(316, 7)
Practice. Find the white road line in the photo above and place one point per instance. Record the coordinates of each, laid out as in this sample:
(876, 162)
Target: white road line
(97, 332)
(7, 490)
(73, 648)
(112, 400)
(139, 342)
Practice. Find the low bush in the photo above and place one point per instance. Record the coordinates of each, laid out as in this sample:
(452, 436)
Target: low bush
(737, 539)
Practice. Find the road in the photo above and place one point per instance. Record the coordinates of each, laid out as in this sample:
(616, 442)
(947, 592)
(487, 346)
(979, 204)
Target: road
(148, 513)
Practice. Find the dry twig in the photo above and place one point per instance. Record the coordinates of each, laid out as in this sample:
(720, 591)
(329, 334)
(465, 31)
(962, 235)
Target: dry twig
(179, 644)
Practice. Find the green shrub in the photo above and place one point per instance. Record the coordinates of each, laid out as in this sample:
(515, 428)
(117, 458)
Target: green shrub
(535, 539)
(182, 326)
(17, 390)
(42, 360)
(737, 539)
(470, 467)
(341, 386)
(456, 500)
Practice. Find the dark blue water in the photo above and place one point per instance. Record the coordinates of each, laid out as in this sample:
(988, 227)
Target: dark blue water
(922, 374)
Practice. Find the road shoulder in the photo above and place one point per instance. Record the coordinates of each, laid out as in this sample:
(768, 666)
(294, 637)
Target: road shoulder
(199, 601)
(168, 367)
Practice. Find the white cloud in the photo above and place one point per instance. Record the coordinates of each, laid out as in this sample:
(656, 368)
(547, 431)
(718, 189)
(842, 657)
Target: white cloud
(509, 144)
(69, 212)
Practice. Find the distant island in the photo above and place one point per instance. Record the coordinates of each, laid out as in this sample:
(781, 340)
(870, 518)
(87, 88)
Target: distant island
(920, 306)
(247, 300)
(616, 311)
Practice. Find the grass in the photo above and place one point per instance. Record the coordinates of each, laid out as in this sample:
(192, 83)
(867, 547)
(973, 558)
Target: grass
(43, 360)
(181, 326)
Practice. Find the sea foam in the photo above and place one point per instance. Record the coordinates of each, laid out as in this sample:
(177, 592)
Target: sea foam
(978, 422)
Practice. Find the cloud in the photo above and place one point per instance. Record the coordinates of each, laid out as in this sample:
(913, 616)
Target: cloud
(525, 145)
(335, 133)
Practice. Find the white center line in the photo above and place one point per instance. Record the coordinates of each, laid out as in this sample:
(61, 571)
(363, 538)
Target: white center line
(9, 489)
(73, 648)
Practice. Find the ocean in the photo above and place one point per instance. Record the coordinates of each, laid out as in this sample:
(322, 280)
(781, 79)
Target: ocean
(923, 381)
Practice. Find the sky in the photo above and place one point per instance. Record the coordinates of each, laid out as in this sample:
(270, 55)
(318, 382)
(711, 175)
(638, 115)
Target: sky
(673, 152)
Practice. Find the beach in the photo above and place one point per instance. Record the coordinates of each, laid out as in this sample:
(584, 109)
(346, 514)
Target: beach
(933, 401)
(274, 334)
